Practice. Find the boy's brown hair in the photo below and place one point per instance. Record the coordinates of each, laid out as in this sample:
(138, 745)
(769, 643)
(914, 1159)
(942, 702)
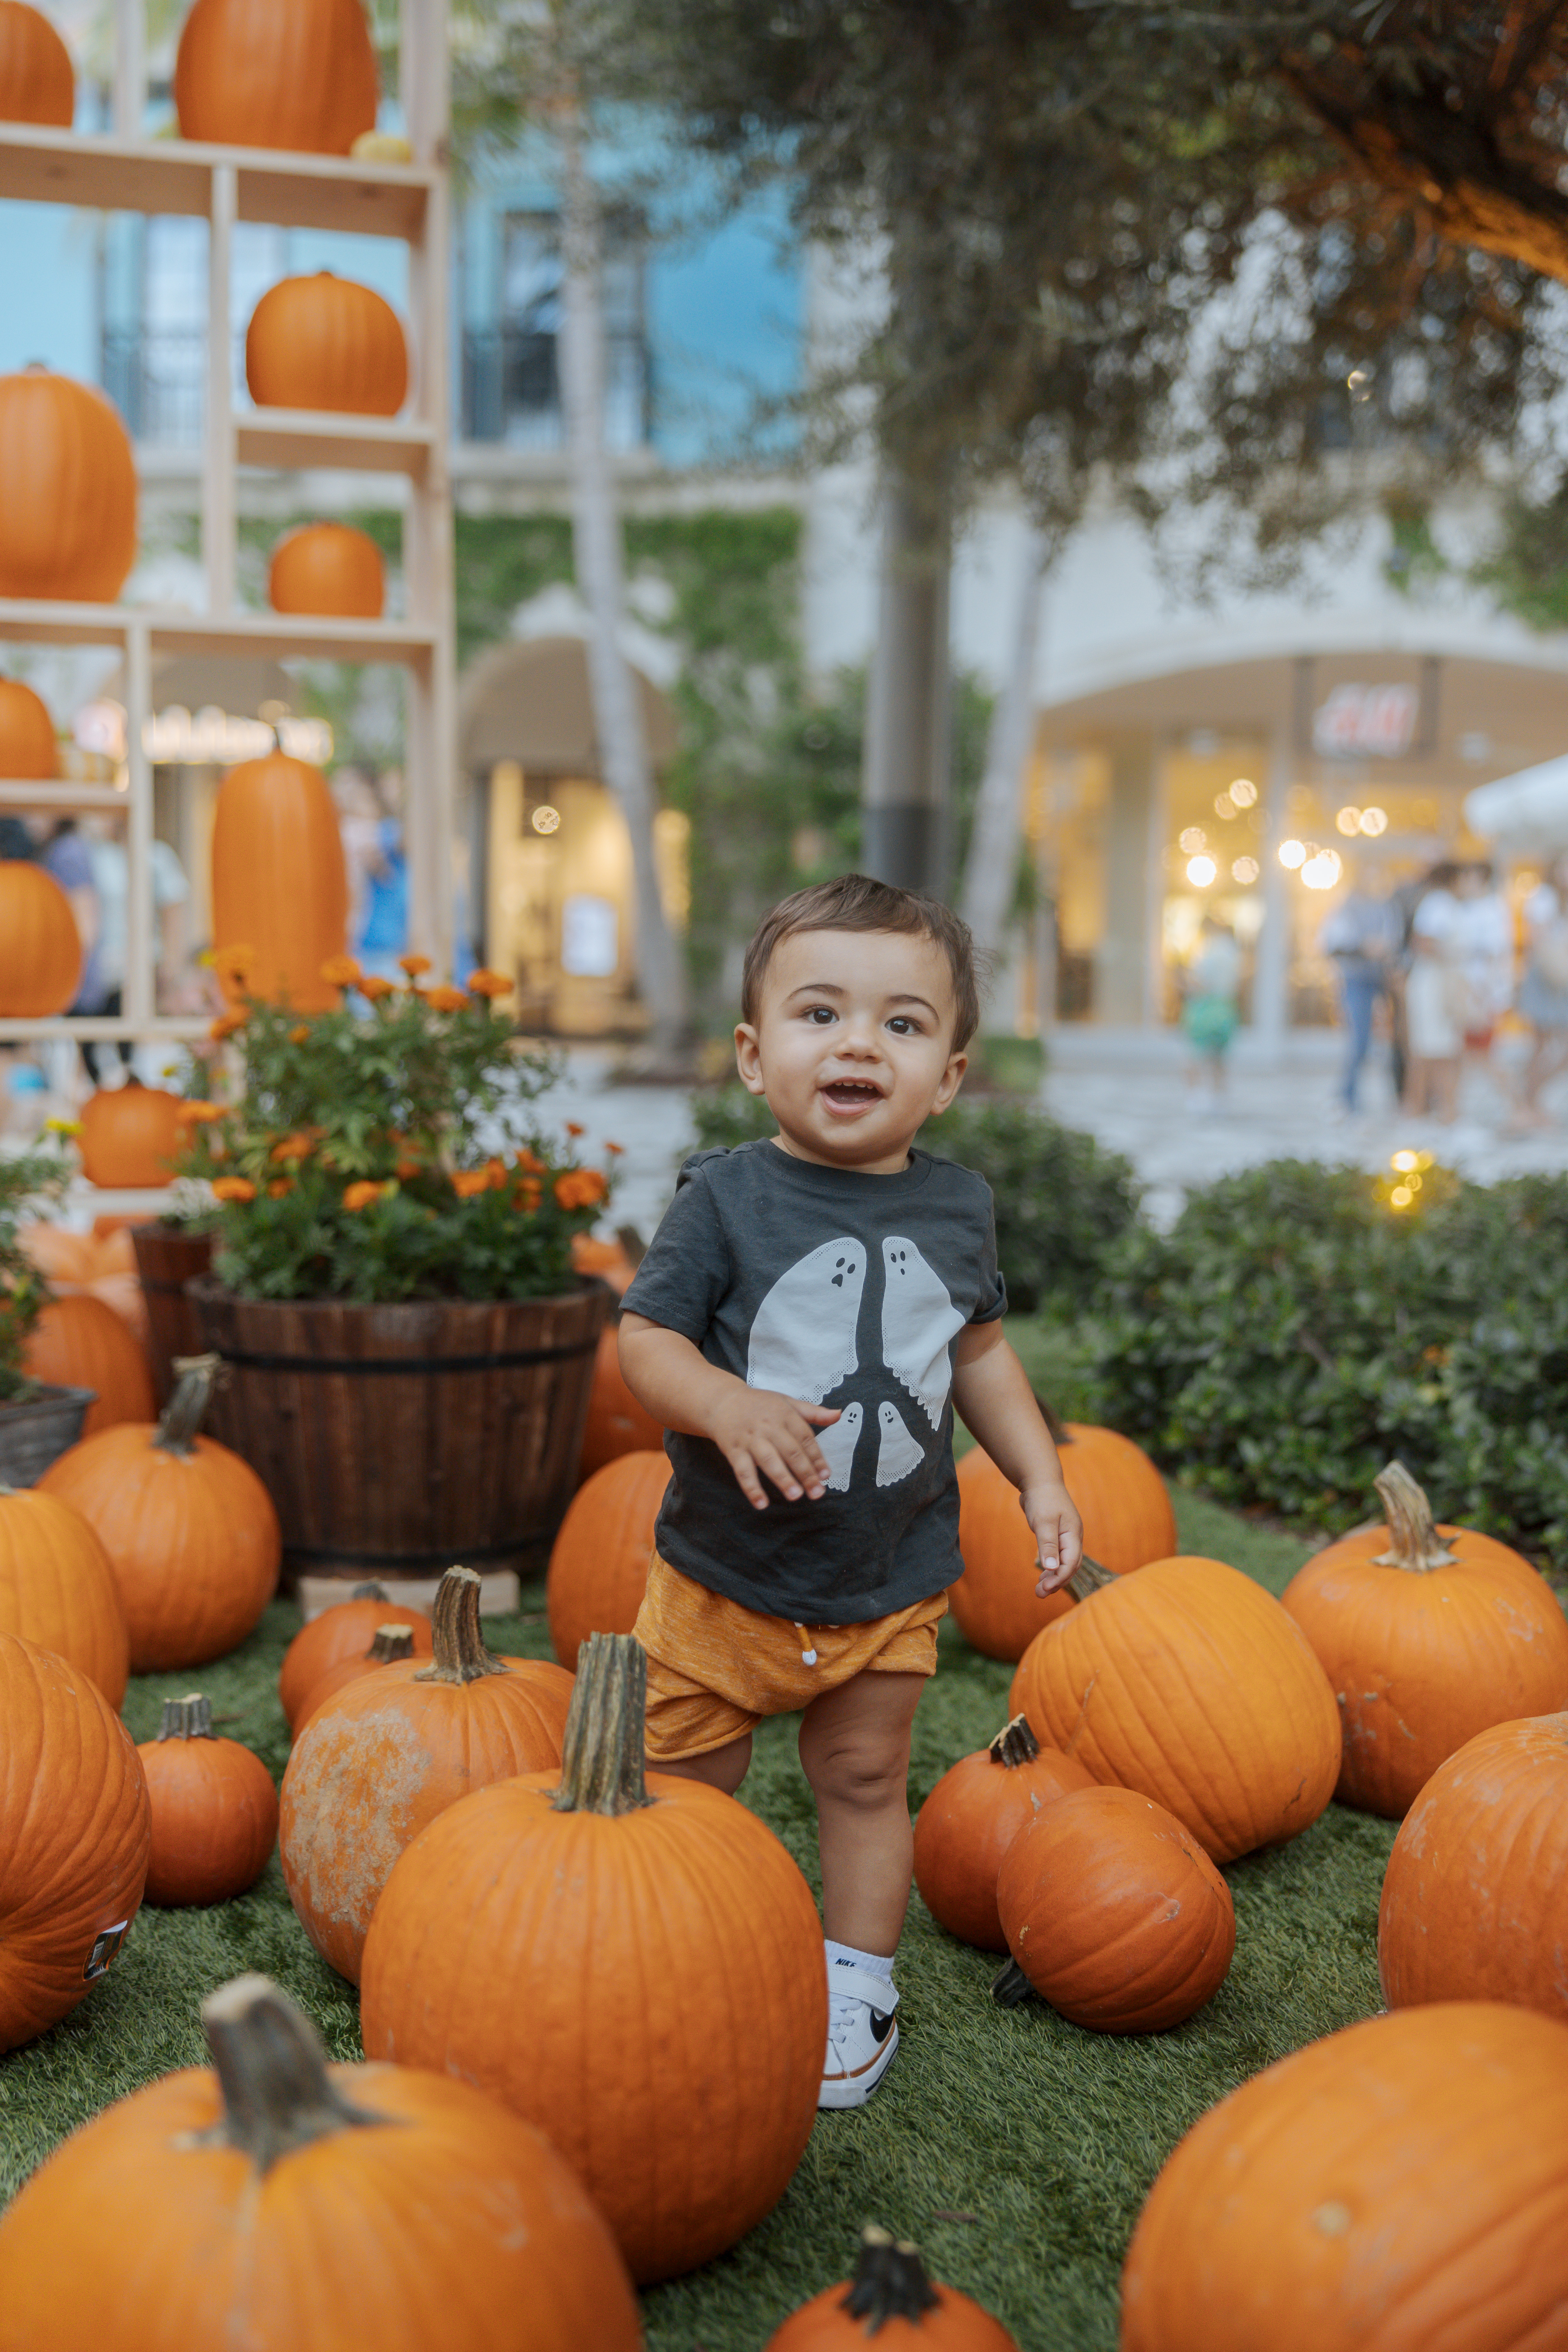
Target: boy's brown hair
(855, 903)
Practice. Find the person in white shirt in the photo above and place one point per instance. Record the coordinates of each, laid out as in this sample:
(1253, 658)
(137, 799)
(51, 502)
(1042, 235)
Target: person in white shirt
(1543, 992)
(1461, 978)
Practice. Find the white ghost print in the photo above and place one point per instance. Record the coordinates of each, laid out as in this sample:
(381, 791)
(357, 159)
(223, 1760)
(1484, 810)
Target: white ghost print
(900, 1452)
(918, 1321)
(802, 1340)
(839, 1445)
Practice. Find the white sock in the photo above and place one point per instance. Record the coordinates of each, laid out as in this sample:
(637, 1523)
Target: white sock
(845, 1956)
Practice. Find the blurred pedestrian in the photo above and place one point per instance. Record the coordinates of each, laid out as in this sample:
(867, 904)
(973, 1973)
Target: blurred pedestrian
(1433, 1012)
(1361, 938)
(1211, 1009)
(112, 879)
(1543, 992)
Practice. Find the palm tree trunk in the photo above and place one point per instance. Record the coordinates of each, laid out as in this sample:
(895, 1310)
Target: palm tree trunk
(906, 772)
(991, 869)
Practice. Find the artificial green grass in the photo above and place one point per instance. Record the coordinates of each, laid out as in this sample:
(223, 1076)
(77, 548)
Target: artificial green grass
(1015, 2150)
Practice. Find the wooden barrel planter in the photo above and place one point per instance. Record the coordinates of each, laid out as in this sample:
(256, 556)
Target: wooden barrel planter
(167, 1256)
(399, 1440)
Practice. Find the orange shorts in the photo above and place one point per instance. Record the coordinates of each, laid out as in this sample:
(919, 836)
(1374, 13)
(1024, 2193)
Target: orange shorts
(715, 1669)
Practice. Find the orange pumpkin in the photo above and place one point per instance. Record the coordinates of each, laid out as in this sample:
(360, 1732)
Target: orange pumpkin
(1187, 1682)
(279, 885)
(40, 949)
(189, 1527)
(327, 567)
(614, 1896)
(1114, 1914)
(380, 1758)
(1401, 2184)
(215, 1809)
(971, 1817)
(323, 342)
(618, 1424)
(1428, 1635)
(74, 1833)
(282, 2204)
(598, 1566)
(1127, 1522)
(889, 2298)
(58, 1588)
(37, 80)
(67, 490)
(130, 1136)
(80, 1343)
(102, 1264)
(389, 1645)
(27, 730)
(277, 73)
(345, 1630)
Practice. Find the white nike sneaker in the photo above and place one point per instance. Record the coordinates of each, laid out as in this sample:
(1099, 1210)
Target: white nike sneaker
(861, 2035)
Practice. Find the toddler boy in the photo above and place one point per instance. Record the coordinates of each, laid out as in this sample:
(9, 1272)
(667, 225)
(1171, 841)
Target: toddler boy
(810, 1311)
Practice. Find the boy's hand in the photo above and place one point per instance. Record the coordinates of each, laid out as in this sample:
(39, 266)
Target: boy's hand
(764, 1435)
(1058, 1530)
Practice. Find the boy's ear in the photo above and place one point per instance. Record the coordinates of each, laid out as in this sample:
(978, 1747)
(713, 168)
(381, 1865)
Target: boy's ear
(748, 1058)
(952, 1079)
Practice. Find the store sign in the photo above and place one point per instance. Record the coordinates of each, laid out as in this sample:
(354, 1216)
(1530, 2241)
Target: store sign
(212, 737)
(1362, 721)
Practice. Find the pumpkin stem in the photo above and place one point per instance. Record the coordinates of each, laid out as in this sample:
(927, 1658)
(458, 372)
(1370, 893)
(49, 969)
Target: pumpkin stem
(601, 1749)
(1088, 1577)
(195, 1379)
(369, 1592)
(1012, 1988)
(389, 1642)
(1060, 1434)
(1416, 1544)
(889, 2282)
(460, 1656)
(1014, 1744)
(272, 2071)
(187, 1718)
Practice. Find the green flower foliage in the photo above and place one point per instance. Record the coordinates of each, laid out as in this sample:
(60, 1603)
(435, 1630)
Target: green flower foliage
(26, 1183)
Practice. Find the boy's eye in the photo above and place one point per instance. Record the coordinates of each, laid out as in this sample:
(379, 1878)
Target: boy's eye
(904, 1024)
(820, 1014)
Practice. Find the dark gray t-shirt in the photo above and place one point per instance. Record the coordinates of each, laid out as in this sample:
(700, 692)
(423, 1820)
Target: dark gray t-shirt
(841, 1289)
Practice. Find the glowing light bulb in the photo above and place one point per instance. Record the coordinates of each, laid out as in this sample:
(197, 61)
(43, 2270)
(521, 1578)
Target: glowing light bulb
(1224, 807)
(1348, 821)
(1404, 1162)
(1244, 791)
(1244, 870)
(1193, 838)
(546, 819)
(1401, 1197)
(1201, 872)
(1321, 870)
(1292, 854)
(1373, 821)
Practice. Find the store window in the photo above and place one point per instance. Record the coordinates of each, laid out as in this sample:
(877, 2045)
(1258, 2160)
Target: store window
(1210, 860)
(512, 382)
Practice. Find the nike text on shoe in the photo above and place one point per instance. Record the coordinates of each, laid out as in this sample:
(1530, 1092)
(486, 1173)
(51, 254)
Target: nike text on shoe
(861, 2036)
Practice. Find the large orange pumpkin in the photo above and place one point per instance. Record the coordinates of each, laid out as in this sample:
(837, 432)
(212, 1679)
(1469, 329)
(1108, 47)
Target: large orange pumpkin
(27, 730)
(327, 567)
(189, 1527)
(1402, 2185)
(279, 885)
(80, 1343)
(389, 1647)
(1475, 1897)
(971, 1817)
(345, 1630)
(379, 1759)
(277, 73)
(618, 1424)
(130, 1136)
(37, 80)
(102, 1264)
(40, 948)
(285, 2205)
(891, 2300)
(215, 1809)
(1127, 1521)
(58, 1588)
(1187, 1682)
(655, 1901)
(67, 490)
(598, 1566)
(323, 342)
(1428, 1635)
(74, 1833)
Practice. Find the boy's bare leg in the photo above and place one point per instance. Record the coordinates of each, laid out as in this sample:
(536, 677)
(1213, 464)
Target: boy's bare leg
(855, 1750)
(722, 1768)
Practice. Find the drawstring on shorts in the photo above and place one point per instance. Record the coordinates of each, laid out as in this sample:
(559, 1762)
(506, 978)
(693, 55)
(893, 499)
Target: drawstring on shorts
(807, 1650)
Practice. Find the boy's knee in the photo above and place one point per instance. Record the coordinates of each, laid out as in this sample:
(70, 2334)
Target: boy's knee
(855, 1769)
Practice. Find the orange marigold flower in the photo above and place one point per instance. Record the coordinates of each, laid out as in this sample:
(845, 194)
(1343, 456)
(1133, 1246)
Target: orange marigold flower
(467, 1182)
(235, 962)
(581, 1188)
(234, 1188)
(447, 1000)
(617, 1149)
(298, 1146)
(495, 1174)
(526, 1200)
(361, 1195)
(408, 1167)
(572, 1127)
(279, 1186)
(226, 1024)
(197, 1114)
(528, 1160)
(375, 988)
(414, 965)
(298, 1035)
(341, 971)
(489, 983)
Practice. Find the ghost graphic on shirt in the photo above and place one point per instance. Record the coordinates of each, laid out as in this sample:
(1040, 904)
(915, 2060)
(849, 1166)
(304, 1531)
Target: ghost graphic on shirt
(900, 1452)
(837, 1445)
(802, 1340)
(918, 1321)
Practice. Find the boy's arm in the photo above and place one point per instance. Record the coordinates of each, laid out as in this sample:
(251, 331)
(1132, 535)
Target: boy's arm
(759, 1433)
(991, 1392)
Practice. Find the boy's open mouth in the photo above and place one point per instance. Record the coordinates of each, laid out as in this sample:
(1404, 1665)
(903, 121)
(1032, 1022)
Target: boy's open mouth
(851, 1093)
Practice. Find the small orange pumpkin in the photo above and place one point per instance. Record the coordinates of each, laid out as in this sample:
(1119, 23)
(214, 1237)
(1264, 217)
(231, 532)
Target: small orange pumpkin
(598, 1566)
(327, 568)
(389, 1645)
(279, 885)
(891, 2300)
(323, 342)
(971, 1817)
(102, 1264)
(37, 79)
(26, 731)
(618, 1424)
(277, 73)
(67, 490)
(40, 949)
(58, 1588)
(130, 1136)
(215, 1809)
(345, 1630)
(80, 1343)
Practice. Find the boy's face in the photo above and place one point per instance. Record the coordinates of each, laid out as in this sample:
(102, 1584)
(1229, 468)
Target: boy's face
(853, 1044)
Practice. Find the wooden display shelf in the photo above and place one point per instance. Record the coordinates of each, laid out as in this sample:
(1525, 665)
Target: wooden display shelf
(368, 444)
(44, 166)
(58, 794)
(91, 1028)
(278, 637)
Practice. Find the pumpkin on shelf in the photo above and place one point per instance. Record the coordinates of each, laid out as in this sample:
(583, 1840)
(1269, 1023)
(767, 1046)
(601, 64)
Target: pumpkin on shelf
(1127, 1522)
(40, 948)
(1428, 1635)
(327, 568)
(279, 885)
(78, 1342)
(27, 752)
(37, 79)
(215, 1809)
(74, 1836)
(130, 1136)
(598, 1564)
(971, 1817)
(189, 1527)
(1187, 1682)
(297, 2206)
(104, 1266)
(299, 74)
(1401, 2184)
(618, 1424)
(389, 1647)
(345, 1630)
(324, 342)
(380, 1760)
(67, 490)
(58, 1588)
(889, 2298)
(618, 1893)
